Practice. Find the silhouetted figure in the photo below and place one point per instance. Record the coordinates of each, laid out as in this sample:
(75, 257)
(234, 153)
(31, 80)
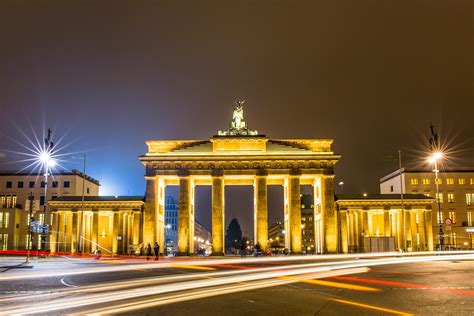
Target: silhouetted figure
(156, 248)
(148, 251)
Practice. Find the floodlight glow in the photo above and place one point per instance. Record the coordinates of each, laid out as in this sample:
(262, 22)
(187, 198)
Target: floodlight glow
(45, 157)
(438, 155)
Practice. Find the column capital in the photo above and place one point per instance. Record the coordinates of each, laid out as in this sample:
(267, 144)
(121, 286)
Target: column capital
(217, 173)
(183, 173)
(295, 172)
(261, 172)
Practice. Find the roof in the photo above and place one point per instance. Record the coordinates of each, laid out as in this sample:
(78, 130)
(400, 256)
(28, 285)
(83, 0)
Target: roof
(426, 170)
(352, 197)
(73, 172)
(123, 198)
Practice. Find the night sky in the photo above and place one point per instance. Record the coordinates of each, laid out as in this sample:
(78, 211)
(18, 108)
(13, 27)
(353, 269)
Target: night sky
(372, 75)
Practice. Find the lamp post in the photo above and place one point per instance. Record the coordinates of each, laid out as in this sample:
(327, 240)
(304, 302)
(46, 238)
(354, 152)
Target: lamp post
(434, 160)
(341, 184)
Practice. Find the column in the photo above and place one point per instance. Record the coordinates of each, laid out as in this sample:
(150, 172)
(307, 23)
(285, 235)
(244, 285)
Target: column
(286, 213)
(136, 228)
(149, 215)
(400, 238)
(294, 207)
(261, 211)
(218, 190)
(74, 232)
(160, 214)
(123, 246)
(329, 215)
(184, 216)
(116, 231)
(95, 230)
(386, 223)
(407, 232)
(421, 230)
(344, 232)
(429, 229)
(54, 234)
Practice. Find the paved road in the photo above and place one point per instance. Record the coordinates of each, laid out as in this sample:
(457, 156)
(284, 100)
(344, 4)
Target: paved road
(226, 286)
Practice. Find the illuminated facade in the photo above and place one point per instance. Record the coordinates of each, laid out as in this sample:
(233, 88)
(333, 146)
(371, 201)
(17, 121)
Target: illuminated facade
(15, 189)
(241, 157)
(456, 196)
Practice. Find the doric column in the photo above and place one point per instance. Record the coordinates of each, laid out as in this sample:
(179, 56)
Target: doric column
(329, 214)
(160, 214)
(218, 203)
(387, 225)
(74, 232)
(149, 224)
(95, 230)
(421, 230)
(294, 206)
(261, 211)
(54, 233)
(407, 232)
(184, 215)
(136, 228)
(429, 229)
(116, 231)
(344, 232)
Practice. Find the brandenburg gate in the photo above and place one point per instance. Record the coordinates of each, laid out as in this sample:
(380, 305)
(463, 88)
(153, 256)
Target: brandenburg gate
(239, 156)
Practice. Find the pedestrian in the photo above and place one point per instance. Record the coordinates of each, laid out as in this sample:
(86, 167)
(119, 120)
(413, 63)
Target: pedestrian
(130, 250)
(243, 248)
(97, 253)
(156, 248)
(148, 251)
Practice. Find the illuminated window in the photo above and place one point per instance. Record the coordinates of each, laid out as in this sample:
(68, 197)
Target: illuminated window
(2, 201)
(452, 216)
(469, 218)
(469, 199)
(14, 201)
(428, 194)
(439, 181)
(1, 219)
(9, 201)
(41, 219)
(426, 181)
(450, 197)
(417, 218)
(440, 217)
(3, 241)
(472, 180)
(7, 220)
(439, 197)
(414, 181)
(462, 181)
(450, 181)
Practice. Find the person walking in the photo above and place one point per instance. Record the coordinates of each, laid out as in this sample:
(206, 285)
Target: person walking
(156, 248)
(148, 251)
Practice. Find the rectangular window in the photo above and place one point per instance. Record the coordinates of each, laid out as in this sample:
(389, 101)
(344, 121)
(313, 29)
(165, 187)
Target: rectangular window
(426, 181)
(439, 181)
(55, 184)
(469, 199)
(3, 241)
(43, 184)
(452, 216)
(9, 201)
(42, 200)
(450, 181)
(8, 184)
(2, 201)
(439, 197)
(440, 217)
(472, 181)
(428, 194)
(450, 197)
(414, 181)
(88, 190)
(41, 218)
(469, 218)
(6, 222)
(1, 219)
(20, 184)
(67, 184)
(32, 184)
(462, 181)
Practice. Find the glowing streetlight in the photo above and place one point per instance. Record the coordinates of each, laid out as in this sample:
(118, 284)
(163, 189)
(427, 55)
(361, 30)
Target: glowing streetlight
(433, 159)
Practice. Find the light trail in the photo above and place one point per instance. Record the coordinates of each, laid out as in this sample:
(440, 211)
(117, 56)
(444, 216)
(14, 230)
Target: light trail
(236, 276)
(211, 262)
(148, 303)
(377, 308)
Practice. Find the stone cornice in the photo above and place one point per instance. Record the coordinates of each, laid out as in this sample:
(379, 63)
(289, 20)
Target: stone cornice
(96, 204)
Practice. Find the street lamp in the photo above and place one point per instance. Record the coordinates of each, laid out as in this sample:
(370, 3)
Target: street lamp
(48, 162)
(433, 159)
(341, 184)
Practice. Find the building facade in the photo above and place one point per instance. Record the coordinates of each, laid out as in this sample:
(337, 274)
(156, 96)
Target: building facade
(16, 188)
(307, 224)
(456, 197)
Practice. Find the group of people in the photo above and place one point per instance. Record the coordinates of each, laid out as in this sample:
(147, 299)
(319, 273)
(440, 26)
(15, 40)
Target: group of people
(148, 251)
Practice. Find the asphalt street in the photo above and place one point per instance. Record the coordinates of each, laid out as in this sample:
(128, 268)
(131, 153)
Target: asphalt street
(308, 285)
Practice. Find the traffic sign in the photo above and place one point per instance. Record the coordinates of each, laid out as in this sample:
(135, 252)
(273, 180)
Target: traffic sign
(448, 221)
